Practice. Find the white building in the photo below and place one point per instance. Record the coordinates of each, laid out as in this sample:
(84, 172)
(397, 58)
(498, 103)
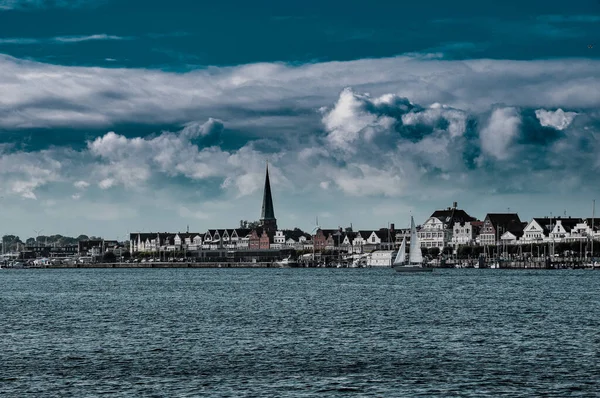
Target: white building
(465, 233)
(437, 231)
(380, 258)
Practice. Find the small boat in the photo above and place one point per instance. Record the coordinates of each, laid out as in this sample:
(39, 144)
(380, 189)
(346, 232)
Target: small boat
(415, 258)
(287, 263)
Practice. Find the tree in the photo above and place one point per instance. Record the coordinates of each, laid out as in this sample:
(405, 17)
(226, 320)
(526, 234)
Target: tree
(447, 250)
(254, 224)
(126, 255)
(465, 251)
(109, 257)
(434, 251)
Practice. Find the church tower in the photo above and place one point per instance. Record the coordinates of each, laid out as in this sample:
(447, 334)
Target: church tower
(267, 216)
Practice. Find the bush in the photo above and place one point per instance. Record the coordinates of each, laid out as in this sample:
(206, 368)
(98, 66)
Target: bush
(109, 257)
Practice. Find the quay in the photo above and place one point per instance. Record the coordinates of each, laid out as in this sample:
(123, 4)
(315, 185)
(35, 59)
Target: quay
(169, 265)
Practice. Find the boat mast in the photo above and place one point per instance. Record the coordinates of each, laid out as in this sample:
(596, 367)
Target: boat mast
(593, 215)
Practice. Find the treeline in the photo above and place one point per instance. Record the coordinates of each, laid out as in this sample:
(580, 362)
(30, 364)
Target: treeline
(11, 242)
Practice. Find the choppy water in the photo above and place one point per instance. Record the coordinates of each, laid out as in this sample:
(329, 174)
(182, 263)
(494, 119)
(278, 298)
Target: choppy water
(299, 332)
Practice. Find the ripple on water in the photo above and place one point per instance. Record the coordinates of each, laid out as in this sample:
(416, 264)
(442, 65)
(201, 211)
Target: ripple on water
(299, 332)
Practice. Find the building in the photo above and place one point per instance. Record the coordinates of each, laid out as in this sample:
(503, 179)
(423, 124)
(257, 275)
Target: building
(555, 229)
(437, 231)
(465, 233)
(380, 258)
(293, 239)
(497, 224)
(327, 239)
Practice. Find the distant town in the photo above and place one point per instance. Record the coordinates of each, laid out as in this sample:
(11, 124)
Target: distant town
(447, 233)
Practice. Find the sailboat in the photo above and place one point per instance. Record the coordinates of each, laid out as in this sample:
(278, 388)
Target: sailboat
(415, 260)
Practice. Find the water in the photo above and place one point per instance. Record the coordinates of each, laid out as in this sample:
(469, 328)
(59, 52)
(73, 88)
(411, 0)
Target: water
(299, 332)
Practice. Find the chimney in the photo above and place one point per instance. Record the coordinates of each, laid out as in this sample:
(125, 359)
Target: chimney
(392, 227)
(455, 204)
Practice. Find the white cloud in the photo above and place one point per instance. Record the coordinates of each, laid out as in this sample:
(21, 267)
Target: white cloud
(456, 119)
(60, 39)
(501, 129)
(81, 184)
(558, 119)
(33, 4)
(31, 90)
(414, 139)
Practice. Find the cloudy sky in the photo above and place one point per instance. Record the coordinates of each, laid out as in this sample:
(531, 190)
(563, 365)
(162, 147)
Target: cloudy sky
(122, 116)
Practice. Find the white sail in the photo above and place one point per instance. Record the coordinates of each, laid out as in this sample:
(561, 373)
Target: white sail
(415, 257)
(401, 253)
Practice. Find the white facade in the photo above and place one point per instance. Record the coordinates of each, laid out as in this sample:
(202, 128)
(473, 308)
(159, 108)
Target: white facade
(432, 234)
(463, 234)
(533, 232)
(380, 258)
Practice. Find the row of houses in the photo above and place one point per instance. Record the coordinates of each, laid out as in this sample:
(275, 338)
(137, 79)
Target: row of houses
(451, 227)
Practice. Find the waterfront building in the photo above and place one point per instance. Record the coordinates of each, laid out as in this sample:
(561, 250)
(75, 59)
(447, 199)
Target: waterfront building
(555, 229)
(380, 258)
(326, 239)
(437, 231)
(465, 233)
(497, 224)
(294, 239)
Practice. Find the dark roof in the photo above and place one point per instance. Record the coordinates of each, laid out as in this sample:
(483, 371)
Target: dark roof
(596, 223)
(142, 235)
(350, 234)
(242, 232)
(365, 233)
(385, 235)
(506, 222)
(268, 213)
(568, 223)
(295, 234)
(451, 216)
(191, 235)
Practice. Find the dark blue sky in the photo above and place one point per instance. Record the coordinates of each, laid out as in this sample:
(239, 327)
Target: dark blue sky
(186, 34)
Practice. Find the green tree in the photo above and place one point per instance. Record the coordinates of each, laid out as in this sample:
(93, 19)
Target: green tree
(109, 257)
(465, 251)
(434, 251)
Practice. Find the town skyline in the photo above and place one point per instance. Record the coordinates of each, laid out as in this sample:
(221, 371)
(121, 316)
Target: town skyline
(109, 126)
(398, 225)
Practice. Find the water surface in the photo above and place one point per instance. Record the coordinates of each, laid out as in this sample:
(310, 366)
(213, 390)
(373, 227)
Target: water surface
(299, 332)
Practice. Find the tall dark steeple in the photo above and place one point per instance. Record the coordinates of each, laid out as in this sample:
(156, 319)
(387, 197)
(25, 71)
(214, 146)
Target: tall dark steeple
(267, 216)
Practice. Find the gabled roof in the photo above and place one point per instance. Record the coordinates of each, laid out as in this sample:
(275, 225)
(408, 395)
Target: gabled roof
(365, 233)
(505, 221)
(351, 235)
(143, 236)
(384, 235)
(330, 232)
(548, 223)
(451, 216)
(295, 234)
(243, 232)
(596, 223)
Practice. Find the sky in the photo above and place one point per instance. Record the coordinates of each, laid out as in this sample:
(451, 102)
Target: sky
(126, 116)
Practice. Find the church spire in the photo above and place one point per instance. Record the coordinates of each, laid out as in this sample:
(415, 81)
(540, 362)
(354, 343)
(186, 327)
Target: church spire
(267, 207)
(267, 216)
